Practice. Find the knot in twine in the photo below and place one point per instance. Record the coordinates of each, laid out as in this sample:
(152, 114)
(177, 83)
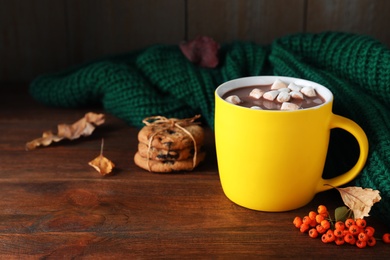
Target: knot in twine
(170, 124)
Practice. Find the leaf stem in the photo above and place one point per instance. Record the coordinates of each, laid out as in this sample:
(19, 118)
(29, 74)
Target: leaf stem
(102, 147)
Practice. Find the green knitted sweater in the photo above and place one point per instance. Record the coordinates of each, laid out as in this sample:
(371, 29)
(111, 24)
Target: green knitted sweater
(159, 80)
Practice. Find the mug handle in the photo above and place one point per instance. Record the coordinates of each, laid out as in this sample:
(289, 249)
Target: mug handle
(354, 129)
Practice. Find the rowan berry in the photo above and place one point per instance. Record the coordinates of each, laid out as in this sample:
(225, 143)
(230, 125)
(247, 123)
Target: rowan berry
(363, 236)
(325, 223)
(312, 215)
(313, 233)
(313, 223)
(386, 238)
(349, 222)
(351, 231)
(297, 222)
(320, 229)
(354, 229)
(346, 232)
(350, 239)
(330, 236)
(319, 218)
(339, 225)
(338, 233)
(304, 228)
(325, 215)
(361, 244)
(361, 222)
(369, 231)
(324, 238)
(371, 241)
(339, 240)
(306, 220)
(322, 209)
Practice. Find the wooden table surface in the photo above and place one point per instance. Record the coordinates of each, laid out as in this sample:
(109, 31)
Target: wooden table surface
(54, 205)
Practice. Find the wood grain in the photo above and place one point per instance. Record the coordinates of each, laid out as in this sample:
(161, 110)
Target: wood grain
(33, 38)
(105, 27)
(55, 206)
(46, 36)
(260, 21)
(363, 16)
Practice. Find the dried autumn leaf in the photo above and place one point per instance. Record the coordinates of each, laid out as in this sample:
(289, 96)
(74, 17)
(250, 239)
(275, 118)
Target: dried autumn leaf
(359, 200)
(103, 165)
(202, 51)
(83, 127)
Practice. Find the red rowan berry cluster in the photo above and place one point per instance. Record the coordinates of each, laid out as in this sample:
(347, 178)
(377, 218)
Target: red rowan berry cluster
(351, 231)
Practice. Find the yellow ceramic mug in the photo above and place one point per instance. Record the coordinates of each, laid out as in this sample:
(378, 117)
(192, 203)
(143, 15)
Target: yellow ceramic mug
(273, 160)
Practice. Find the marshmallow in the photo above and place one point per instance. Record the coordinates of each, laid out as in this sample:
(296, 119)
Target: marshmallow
(270, 105)
(296, 95)
(309, 91)
(233, 99)
(289, 106)
(256, 93)
(284, 90)
(271, 95)
(283, 97)
(278, 84)
(294, 87)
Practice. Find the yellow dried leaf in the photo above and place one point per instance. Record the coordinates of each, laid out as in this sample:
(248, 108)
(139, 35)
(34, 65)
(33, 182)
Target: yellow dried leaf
(359, 200)
(103, 165)
(83, 127)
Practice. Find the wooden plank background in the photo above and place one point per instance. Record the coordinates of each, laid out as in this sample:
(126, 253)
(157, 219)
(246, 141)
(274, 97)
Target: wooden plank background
(42, 36)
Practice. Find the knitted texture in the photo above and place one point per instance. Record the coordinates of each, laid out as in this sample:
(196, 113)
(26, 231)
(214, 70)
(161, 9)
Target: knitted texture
(159, 80)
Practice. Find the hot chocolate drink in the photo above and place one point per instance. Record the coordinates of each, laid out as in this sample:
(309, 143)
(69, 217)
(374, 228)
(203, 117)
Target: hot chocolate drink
(276, 96)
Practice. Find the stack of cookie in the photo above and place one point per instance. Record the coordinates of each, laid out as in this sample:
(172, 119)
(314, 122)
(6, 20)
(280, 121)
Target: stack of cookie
(167, 145)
